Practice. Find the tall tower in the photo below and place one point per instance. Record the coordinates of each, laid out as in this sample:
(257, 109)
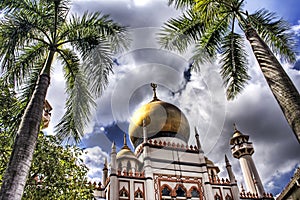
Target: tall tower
(242, 149)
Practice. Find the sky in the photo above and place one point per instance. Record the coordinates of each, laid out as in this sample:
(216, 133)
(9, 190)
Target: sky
(201, 95)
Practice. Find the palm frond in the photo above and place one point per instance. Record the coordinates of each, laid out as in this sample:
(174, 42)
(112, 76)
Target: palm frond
(86, 32)
(97, 66)
(179, 33)
(201, 56)
(234, 64)
(211, 10)
(275, 32)
(213, 35)
(181, 3)
(25, 63)
(79, 101)
(19, 33)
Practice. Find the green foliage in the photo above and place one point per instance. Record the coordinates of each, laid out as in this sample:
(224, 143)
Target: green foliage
(56, 173)
(179, 34)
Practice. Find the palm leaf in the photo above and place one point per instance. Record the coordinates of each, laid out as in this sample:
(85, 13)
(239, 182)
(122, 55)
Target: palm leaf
(79, 101)
(86, 32)
(234, 64)
(213, 35)
(179, 33)
(275, 32)
(97, 66)
(181, 3)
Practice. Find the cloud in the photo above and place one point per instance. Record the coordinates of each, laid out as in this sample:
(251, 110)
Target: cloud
(296, 28)
(94, 159)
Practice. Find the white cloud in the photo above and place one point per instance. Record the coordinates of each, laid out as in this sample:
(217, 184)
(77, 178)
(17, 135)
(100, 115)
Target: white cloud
(296, 28)
(94, 159)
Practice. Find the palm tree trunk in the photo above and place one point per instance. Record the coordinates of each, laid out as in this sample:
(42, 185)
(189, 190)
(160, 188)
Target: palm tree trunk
(20, 161)
(279, 82)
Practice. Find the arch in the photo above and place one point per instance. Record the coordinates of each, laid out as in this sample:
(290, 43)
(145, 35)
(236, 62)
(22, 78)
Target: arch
(180, 190)
(228, 197)
(138, 194)
(217, 197)
(123, 192)
(128, 167)
(194, 192)
(120, 166)
(165, 190)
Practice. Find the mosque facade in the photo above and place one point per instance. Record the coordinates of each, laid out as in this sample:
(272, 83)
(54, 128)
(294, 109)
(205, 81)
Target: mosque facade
(165, 167)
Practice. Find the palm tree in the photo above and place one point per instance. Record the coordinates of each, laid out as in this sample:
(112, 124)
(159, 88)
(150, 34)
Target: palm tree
(215, 27)
(33, 33)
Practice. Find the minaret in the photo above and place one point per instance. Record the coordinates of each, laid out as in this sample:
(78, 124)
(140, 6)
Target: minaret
(229, 170)
(235, 189)
(242, 149)
(113, 173)
(198, 141)
(105, 172)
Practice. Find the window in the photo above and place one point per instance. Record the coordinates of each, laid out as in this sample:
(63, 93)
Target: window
(166, 191)
(180, 192)
(138, 194)
(195, 193)
(123, 193)
(217, 197)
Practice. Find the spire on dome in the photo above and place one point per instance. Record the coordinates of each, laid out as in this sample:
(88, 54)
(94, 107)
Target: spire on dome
(154, 86)
(234, 127)
(125, 142)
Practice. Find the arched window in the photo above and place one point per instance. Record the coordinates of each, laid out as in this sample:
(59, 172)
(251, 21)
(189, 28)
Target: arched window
(228, 197)
(128, 166)
(180, 192)
(138, 194)
(120, 166)
(217, 197)
(123, 193)
(166, 191)
(195, 193)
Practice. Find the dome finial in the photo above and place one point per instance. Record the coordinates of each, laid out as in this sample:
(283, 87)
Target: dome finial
(234, 127)
(125, 142)
(154, 86)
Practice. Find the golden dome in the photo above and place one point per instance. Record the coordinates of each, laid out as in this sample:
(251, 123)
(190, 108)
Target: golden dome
(162, 120)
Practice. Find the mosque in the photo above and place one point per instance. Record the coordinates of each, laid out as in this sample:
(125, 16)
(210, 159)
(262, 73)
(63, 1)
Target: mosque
(164, 166)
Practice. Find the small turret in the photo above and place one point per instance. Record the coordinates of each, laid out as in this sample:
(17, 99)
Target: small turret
(113, 158)
(105, 172)
(229, 170)
(198, 141)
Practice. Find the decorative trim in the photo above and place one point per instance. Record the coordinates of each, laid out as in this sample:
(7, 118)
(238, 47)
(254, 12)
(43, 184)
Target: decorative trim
(159, 178)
